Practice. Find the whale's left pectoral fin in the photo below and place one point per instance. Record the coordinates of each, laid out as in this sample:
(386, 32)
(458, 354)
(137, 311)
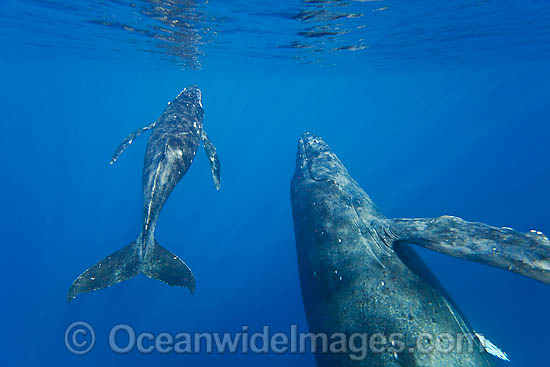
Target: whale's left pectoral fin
(129, 140)
(212, 158)
(527, 254)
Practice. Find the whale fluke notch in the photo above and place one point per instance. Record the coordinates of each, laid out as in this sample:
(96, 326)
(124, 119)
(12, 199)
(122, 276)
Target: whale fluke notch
(527, 254)
(129, 140)
(212, 159)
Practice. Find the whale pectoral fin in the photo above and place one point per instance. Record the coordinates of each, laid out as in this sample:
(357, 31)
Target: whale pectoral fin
(212, 158)
(115, 268)
(527, 254)
(129, 140)
(165, 266)
(378, 234)
(491, 348)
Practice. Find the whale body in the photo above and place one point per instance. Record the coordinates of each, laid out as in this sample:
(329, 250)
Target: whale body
(359, 275)
(175, 138)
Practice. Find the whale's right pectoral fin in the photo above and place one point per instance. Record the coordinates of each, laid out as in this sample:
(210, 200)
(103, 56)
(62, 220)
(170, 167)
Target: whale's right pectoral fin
(129, 140)
(212, 158)
(527, 254)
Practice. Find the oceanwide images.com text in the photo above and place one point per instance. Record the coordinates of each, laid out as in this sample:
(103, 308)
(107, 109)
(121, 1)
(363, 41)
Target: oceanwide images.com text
(80, 339)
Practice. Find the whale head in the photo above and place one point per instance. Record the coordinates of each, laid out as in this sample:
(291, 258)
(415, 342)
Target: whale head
(190, 95)
(319, 170)
(316, 160)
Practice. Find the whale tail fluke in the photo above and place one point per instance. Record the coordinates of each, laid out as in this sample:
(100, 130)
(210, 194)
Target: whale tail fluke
(115, 268)
(126, 263)
(165, 266)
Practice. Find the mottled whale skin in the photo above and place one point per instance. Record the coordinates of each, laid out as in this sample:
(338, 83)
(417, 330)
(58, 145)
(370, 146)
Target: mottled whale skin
(174, 141)
(358, 276)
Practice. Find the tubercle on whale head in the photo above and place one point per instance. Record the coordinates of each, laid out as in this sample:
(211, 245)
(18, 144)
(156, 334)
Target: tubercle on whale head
(313, 145)
(191, 94)
(316, 160)
(306, 151)
(302, 165)
(318, 169)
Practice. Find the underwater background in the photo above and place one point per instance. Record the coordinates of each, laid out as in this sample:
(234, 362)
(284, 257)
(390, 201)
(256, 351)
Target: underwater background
(434, 107)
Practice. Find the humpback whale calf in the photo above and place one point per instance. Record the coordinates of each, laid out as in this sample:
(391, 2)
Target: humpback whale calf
(175, 138)
(359, 275)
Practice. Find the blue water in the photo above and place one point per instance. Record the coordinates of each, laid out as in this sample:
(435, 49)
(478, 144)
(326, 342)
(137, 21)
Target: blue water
(434, 108)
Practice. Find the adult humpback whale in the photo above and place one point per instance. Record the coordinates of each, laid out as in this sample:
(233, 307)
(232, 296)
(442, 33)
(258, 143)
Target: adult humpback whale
(172, 146)
(358, 276)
